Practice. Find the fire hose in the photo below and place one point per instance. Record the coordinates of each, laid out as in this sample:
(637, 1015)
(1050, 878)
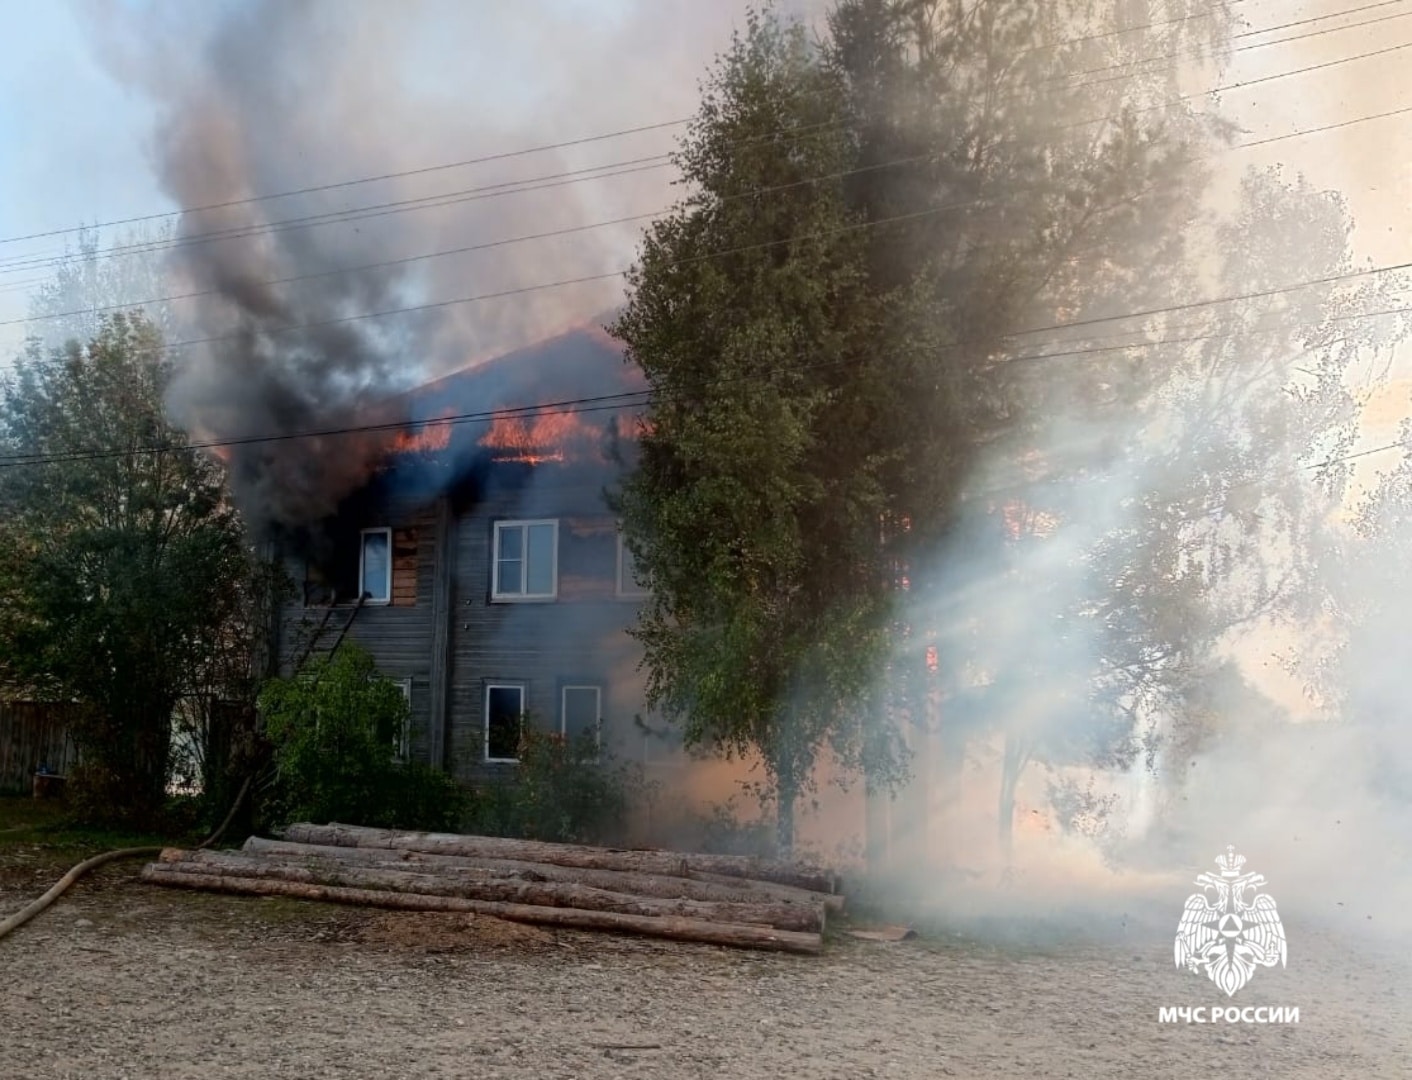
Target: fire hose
(15, 921)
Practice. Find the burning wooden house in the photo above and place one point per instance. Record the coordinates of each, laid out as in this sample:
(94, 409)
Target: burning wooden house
(482, 567)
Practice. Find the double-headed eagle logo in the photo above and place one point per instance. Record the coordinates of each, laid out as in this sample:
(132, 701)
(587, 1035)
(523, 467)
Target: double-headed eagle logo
(1224, 935)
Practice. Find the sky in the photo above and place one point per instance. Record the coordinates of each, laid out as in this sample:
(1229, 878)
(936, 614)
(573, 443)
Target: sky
(82, 85)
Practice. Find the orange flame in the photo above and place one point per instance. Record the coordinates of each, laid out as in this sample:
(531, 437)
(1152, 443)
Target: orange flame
(1020, 519)
(543, 437)
(426, 439)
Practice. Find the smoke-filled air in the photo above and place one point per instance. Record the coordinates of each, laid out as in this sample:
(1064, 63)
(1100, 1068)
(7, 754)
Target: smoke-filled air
(1082, 362)
(1099, 520)
(706, 537)
(284, 293)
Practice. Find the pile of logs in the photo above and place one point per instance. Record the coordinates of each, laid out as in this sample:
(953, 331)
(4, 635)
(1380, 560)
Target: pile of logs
(717, 899)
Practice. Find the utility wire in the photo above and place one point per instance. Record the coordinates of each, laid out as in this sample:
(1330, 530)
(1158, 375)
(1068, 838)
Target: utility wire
(750, 193)
(658, 161)
(364, 213)
(507, 155)
(1191, 54)
(624, 399)
(348, 215)
(485, 159)
(600, 403)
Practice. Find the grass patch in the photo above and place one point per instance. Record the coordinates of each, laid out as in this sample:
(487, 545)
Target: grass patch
(42, 823)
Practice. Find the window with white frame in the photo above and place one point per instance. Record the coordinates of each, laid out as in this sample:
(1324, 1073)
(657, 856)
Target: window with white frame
(630, 582)
(375, 566)
(526, 560)
(402, 738)
(581, 713)
(504, 717)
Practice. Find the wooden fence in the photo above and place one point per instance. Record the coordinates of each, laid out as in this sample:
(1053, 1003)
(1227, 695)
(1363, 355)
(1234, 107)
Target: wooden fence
(33, 734)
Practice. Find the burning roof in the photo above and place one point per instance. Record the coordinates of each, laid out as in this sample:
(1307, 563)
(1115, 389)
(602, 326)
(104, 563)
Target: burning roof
(554, 403)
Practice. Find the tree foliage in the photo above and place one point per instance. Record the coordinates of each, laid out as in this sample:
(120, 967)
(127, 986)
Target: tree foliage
(336, 726)
(905, 428)
(122, 556)
(762, 622)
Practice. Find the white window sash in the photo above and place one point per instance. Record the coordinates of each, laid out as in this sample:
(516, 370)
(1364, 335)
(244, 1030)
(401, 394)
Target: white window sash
(363, 561)
(498, 590)
(597, 709)
(627, 589)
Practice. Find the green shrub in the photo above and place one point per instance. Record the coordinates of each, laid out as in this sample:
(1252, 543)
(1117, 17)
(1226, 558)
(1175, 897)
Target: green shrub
(564, 791)
(334, 728)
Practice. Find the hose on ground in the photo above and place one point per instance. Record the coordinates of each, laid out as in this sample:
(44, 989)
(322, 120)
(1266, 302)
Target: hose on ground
(19, 918)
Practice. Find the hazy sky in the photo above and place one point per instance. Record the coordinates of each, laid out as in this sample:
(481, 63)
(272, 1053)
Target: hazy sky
(80, 134)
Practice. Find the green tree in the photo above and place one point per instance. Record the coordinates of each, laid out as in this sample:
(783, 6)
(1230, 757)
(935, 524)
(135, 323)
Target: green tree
(336, 726)
(123, 555)
(976, 171)
(757, 538)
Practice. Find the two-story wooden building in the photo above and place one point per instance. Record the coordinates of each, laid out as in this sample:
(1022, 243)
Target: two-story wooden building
(494, 583)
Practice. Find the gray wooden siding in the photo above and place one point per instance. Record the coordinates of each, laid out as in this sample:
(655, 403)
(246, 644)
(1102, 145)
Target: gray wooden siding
(399, 636)
(580, 638)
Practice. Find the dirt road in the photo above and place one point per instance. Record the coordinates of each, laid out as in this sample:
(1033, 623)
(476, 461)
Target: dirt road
(123, 980)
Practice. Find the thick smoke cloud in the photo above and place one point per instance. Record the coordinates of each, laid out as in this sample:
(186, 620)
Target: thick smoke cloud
(273, 97)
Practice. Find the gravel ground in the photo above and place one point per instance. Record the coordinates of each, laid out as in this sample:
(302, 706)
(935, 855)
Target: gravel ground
(124, 980)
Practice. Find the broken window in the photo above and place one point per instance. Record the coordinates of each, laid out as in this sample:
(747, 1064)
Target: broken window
(526, 560)
(504, 715)
(347, 562)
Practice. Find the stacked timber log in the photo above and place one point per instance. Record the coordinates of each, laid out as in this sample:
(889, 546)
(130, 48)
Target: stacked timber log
(717, 899)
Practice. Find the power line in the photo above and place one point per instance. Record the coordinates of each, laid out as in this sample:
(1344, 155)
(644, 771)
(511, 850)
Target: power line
(749, 193)
(634, 398)
(588, 278)
(1196, 53)
(600, 403)
(506, 155)
(627, 219)
(364, 213)
(1327, 127)
(657, 161)
(1382, 313)
(348, 215)
(1204, 13)
(483, 160)
(1260, 294)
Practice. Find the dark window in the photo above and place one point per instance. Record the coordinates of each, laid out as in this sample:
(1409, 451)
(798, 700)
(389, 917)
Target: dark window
(504, 713)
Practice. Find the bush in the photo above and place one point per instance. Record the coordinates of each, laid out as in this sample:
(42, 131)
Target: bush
(563, 791)
(334, 727)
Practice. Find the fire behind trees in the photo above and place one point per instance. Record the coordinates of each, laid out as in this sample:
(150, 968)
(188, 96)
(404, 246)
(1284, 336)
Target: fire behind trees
(854, 324)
